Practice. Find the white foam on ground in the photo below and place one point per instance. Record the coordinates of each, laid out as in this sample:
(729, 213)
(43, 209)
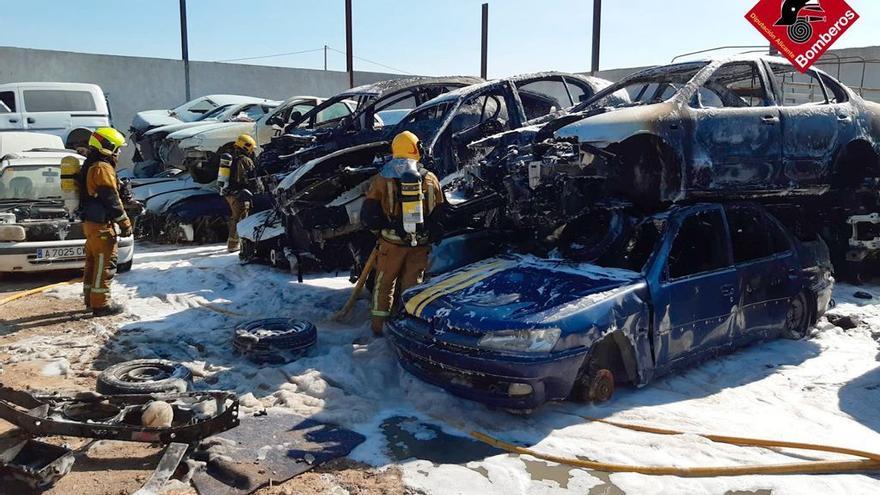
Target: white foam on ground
(825, 389)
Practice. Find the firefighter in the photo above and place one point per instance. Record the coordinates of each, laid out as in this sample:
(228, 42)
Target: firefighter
(402, 205)
(236, 190)
(101, 210)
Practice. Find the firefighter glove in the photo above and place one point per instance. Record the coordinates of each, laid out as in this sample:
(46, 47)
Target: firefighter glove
(125, 229)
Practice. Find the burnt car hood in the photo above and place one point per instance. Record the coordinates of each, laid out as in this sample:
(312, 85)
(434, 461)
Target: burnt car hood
(512, 292)
(149, 119)
(612, 124)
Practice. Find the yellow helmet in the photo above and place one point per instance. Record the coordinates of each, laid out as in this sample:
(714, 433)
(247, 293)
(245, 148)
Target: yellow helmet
(406, 145)
(246, 142)
(107, 141)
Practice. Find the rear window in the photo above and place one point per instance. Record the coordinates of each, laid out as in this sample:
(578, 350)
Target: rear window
(53, 100)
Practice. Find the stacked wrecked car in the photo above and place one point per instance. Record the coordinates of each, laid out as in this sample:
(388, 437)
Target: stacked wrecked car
(316, 220)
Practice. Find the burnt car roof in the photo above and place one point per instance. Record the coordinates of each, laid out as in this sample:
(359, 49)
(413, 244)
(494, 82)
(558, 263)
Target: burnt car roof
(455, 94)
(392, 85)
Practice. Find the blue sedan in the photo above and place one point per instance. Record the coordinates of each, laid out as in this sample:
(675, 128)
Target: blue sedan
(674, 288)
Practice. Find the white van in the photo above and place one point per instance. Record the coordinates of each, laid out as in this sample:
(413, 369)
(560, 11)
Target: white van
(70, 111)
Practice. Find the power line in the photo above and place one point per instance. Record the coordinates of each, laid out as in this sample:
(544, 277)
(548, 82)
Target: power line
(372, 62)
(272, 56)
(312, 51)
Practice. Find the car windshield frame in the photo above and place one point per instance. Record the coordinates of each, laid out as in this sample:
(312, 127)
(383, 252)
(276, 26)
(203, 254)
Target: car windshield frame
(452, 106)
(615, 253)
(655, 73)
(215, 113)
(340, 98)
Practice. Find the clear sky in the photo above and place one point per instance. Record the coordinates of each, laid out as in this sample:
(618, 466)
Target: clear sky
(430, 37)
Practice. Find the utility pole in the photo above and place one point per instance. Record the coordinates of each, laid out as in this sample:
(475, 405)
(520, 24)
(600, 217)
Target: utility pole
(325, 57)
(349, 54)
(184, 45)
(484, 47)
(597, 34)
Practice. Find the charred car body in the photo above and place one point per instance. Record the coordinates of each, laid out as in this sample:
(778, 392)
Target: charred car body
(649, 295)
(746, 127)
(804, 145)
(336, 125)
(319, 203)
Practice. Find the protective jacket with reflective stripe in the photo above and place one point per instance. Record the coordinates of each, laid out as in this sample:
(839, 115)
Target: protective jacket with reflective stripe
(100, 200)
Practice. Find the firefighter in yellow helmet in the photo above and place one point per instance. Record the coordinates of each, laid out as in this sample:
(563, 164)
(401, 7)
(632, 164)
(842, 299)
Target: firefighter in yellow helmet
(236, 192)
(101, 210)
(401, 204)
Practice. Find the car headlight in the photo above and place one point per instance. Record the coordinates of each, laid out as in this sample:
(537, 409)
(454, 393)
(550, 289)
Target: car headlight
(532, 341)
(12, 233)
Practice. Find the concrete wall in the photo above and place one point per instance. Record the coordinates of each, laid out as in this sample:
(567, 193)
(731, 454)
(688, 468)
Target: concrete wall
(136, 83)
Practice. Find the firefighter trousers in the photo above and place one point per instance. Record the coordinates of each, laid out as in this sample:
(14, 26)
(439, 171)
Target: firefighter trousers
(238, 211)
(395, 264)
(100, 263)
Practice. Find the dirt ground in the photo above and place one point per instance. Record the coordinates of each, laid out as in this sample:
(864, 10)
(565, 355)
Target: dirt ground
(31, 329)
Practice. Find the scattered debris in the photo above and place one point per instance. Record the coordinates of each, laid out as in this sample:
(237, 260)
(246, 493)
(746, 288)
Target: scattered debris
(846, 322)
(36, 464)
(266, 449)
(132, 418)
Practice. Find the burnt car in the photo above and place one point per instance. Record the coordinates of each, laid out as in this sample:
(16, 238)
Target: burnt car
(744, 127)
(333, 125)
(319, 202)
(645, 296)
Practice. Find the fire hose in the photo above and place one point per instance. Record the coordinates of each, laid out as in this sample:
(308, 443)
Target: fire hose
(38, 290)
(868, 461)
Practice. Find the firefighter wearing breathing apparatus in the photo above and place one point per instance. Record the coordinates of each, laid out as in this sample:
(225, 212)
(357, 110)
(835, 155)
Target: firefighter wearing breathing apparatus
(232, 179)
(401, 204)
(101, 209)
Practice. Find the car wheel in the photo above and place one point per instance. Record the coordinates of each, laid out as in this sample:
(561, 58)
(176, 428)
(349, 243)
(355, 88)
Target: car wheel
(124, 267)
(797, 319)
(144, 376)
(278, 259)
(247, 251)
(274, 340)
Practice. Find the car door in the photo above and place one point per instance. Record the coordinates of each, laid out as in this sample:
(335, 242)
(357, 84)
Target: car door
(10, 113)
(811, 124)
(764, 261)
(737, 133)
(694, 287)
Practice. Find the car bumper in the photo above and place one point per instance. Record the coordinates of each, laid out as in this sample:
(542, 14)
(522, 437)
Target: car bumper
(484, 376)
(21, 256)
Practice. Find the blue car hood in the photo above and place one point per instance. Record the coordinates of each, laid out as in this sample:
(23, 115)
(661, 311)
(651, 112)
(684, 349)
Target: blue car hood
(515, 292)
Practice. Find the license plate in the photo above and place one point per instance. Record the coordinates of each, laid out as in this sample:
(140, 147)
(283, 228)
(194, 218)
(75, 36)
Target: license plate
(60, 253)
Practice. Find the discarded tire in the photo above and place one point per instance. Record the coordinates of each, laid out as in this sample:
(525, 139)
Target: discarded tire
(144, 376)
(274, 340)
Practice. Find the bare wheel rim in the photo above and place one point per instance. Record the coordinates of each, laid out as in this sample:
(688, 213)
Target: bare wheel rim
(602, 386)
(794, 320)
